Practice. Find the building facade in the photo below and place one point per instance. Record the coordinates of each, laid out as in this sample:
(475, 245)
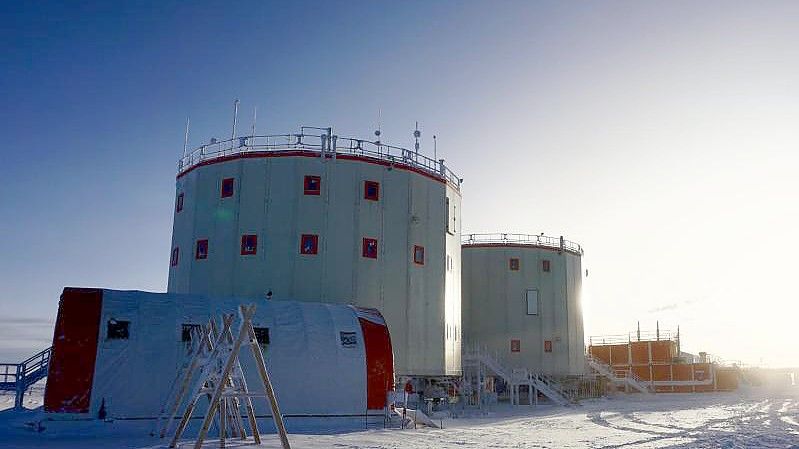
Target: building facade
(327, 219)
(521, 301)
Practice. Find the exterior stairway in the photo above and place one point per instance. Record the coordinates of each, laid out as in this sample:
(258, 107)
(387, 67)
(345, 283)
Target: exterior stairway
(514, 378)
(619, 377)
(18, 377)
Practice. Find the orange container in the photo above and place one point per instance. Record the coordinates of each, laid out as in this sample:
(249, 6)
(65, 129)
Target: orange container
(640, 352)
(702, 372)
(682, 372)
(619, 355)
(663, 351)
(726, 379)
(642, 372)
(602, 353)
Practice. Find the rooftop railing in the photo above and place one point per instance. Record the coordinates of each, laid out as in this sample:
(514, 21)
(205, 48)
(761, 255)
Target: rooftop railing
(543, 241)
(328, 145)
(621, 339)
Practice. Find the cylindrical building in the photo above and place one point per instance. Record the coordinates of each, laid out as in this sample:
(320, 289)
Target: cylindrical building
(521, 300)
(322, 218)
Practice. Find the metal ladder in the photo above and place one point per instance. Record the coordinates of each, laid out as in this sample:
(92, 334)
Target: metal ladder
(18, 377)
(624, 377)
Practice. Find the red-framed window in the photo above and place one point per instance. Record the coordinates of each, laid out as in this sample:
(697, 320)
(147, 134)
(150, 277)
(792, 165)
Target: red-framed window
(371, 190)
(515, 346)
(418, 254)
(513, 264)
(201, 250)
(547, 345)
(369, 248)
(312, 185)
(249, 244)
(179, 203)
(173, 260)
(309, 244)
(227, 187)
(546, 265)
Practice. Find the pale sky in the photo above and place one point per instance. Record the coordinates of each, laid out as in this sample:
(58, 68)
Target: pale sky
(660, 136)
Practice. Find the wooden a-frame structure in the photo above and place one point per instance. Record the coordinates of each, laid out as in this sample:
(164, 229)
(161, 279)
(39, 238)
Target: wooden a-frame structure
(217, 375)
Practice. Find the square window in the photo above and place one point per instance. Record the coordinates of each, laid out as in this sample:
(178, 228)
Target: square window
(515, 346)
(202, 249)
(227, 187)
(545, 265)
(514, 264)
(249, 244)
(547, 345)
(370, 248)
(173, 261)
(179, 203)
(309, 244)
(313, 185)
(348, 339)
(418, 254)
(261, 335)
(371, 190)
(187, 330)
(118, 330)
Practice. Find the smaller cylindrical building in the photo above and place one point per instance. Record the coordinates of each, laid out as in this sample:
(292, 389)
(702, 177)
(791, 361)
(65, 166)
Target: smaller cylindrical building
(521, 300)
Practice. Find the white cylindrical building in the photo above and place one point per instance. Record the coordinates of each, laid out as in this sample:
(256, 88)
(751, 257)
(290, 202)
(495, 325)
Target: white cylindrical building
(521, 300)
(323, 218)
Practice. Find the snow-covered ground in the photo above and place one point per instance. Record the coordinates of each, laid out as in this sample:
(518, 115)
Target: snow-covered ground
(745, 419)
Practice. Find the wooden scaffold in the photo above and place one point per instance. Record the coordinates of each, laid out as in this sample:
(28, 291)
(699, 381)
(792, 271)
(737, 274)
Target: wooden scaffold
(214, 372)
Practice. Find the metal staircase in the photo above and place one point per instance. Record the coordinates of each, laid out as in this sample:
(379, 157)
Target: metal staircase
(619, 377)
(515, 378)
(18, 377)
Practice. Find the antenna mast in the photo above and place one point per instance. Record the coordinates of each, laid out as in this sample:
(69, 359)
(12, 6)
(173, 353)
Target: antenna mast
(235, 117)
(186, 138)
(254, 117)
(416, 135)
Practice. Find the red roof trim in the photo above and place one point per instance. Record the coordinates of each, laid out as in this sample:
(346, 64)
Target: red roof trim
(517, 245)
(306, 153)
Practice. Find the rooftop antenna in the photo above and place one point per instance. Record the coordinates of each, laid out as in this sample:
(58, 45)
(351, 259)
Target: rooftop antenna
(377, 131)
(416, 135)
(186, 138)
(435, 148)
(254, 117)
(235, 117)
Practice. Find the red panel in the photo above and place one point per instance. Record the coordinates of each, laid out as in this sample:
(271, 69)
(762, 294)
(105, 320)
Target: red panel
(547, 345)
(515, 346)
(69, 380)
(379, 357)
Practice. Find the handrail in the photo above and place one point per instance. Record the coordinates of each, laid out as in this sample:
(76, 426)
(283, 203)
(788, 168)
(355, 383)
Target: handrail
(326, 144)
(632, 337)
(542, 241)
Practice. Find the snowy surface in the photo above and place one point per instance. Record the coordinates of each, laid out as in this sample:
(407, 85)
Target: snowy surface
(744, 419)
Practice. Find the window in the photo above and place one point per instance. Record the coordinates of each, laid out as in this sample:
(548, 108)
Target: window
(513, 264)
(418, 255)
(532, 302)
(545, 265)
(173, 260)
(348, 339)
(261, 335)
(313, 185)
(118, 330)
(451, 215)
(547, 345)
(188, 330)
(515, 346)
(369, 248)
(371, 190)
(227, 187)
(201, 251)
(309, 244)
(249, 244)
(179, 203)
